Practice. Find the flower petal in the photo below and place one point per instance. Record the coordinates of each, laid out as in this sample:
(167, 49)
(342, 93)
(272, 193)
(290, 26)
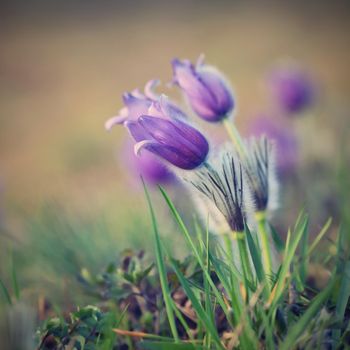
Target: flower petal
(119, 119)
(137, 131)
(149, 89)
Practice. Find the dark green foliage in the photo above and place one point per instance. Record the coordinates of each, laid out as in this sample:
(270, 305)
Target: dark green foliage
(87, 328)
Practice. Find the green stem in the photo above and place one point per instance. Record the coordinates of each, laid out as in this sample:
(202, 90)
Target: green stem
(243, 251)
(235, 137)
(228, 246)
(266, 251)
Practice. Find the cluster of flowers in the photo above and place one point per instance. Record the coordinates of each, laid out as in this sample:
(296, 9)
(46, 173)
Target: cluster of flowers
(227, 178)
(161, 127)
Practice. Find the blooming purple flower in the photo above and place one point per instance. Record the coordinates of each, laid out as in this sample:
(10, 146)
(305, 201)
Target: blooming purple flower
(284, 138)
(292, 89)
(137, 104)
(206, 89)
(147, 165)
(157, 125)
(171, 139)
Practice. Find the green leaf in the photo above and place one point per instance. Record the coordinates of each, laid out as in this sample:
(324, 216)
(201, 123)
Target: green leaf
(161, 269)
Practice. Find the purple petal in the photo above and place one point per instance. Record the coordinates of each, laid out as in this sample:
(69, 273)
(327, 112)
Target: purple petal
(136, 106)
(170, 109)
(174, 133)
(119, 119)
(149, 89)
(137, 131)
(207, 90)
(219, 88)
(186, 77)
(176, 156)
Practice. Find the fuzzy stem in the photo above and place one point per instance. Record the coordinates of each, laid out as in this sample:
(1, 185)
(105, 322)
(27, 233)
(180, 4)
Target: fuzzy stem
(243, 252)
(235, 137)
(266, 251)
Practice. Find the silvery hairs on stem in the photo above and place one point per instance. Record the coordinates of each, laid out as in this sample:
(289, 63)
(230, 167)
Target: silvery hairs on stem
(260, 174)
(220, 183)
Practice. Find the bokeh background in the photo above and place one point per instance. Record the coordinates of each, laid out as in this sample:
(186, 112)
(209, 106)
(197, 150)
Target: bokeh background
(66, 199)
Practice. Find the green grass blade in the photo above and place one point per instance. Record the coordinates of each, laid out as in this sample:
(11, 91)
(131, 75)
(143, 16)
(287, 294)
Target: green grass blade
(317, 240)
(299, 327)
(5, 292)
(276, 238)
(194, 249)
(257, 262)
(196, 304)
(291, 248)
(304, 257)
(182, 321)
(15, 285)
(161, 269)
(247, 342)
(344, 292)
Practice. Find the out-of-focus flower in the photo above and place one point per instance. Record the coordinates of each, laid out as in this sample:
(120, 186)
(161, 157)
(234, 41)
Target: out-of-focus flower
(292, 89)
(137, 104)
(171, 139)
(206, 89)
(285, 141)
(259, 167)
(146, 165)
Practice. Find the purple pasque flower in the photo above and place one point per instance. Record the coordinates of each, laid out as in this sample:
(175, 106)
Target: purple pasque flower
(157, 125)
(171, 139)
(286, 148)
(292, 89)
(206, 89)
(138, 103)
(147, 165)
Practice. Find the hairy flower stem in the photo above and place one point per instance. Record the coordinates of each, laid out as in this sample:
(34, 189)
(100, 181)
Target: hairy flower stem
(235, 137)
(243, 252)
(266, 251)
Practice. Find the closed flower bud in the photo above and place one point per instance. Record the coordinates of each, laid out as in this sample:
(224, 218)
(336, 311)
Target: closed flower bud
(221, 183)
(206, 89)
(259, 167)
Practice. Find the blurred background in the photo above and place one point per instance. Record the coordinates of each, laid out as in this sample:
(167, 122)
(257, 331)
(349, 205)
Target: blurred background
(67, 196)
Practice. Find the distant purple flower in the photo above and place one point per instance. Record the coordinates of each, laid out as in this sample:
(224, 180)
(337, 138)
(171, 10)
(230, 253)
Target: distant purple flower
(137, 104)
(292, 89)
(147, 165)
(286, 142)
(205, 88)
